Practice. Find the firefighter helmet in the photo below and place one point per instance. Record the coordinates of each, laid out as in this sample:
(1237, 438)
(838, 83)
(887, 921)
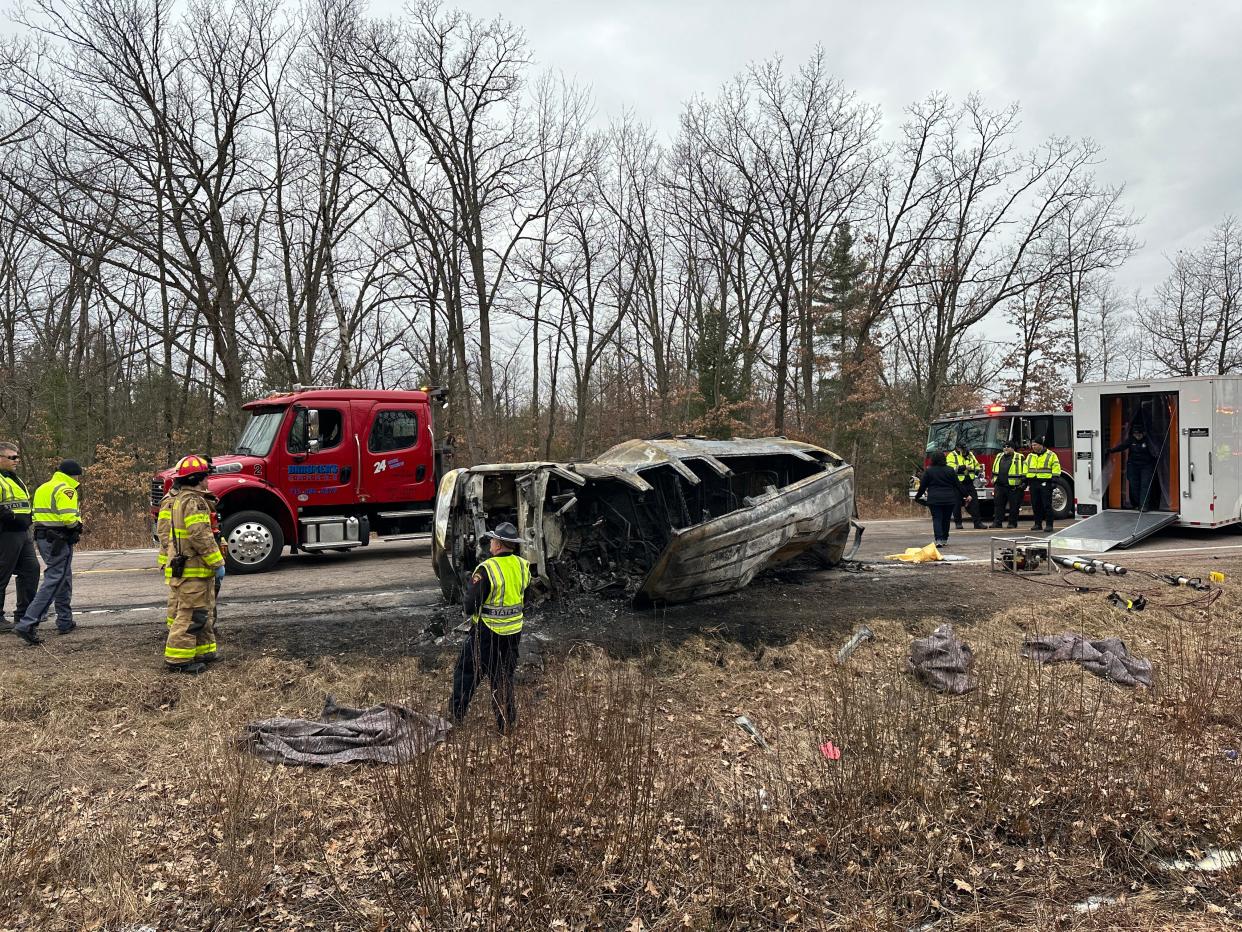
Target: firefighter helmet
(192, 465)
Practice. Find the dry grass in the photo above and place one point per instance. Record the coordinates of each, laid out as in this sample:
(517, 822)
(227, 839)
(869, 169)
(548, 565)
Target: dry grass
(629, 799)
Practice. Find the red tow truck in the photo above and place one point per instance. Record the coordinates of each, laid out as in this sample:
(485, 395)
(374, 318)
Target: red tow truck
(984, 430)
(324, 469)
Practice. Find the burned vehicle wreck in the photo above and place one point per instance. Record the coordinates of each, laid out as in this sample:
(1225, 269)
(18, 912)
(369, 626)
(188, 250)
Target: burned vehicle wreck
(658, 521)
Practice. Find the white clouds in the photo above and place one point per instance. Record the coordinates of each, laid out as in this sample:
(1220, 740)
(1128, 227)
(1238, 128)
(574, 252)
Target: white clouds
(1156, 83)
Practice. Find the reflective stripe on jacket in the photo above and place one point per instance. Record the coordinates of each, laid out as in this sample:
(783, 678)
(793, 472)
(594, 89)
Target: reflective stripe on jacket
(972, 468)
(1044, 465)
(508, 575)
(13, 494)
(163, 527)
(190, 520)
(1013, 476)
(55, 503)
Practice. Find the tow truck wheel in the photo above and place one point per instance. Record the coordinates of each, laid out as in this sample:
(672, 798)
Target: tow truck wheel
(1062, 501)
(253, 542)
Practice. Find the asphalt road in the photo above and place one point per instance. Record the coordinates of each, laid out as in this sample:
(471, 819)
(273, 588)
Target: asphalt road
(893, 536)
(120, 587)
(126, 586)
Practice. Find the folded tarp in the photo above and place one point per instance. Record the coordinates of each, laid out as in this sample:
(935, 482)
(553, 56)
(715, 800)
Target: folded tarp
(387, 733)
(1108, 658)
(942, 661)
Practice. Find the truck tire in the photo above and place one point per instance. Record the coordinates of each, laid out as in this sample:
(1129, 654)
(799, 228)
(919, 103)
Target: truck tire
(1062, 500)
(253, 542)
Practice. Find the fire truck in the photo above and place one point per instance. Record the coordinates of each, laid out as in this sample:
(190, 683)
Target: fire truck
(984, 430)
(323, 469)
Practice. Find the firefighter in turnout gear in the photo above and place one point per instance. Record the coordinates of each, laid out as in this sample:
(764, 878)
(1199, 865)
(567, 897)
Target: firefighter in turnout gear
(163, 533)
(57, 528)
(17, 553)
(968, 468)
(1041, 467)
(1008, 482)
(494, 606)
(192, 563)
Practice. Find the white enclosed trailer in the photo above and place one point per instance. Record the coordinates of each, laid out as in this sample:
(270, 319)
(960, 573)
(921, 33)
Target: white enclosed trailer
(1194, 426)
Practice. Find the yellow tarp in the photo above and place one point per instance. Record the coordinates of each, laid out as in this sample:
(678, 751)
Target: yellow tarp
(928, 554)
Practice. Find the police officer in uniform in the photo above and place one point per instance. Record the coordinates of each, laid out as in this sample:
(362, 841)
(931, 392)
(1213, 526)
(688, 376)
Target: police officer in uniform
(17, 553)
(1008, 483)
(494, 605)
(968, 468)
(193, 562)
(1041, 467)
(1140, 466)
(57, 528)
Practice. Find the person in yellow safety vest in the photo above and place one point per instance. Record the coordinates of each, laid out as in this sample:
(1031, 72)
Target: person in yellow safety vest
(494, 604)
(17, 553)
(193, 562)
(968, 468)
(58, 527)
(1041, 467)
(1008, 483)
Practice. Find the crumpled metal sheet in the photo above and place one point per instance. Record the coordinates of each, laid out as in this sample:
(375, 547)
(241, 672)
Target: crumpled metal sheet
(726, 553)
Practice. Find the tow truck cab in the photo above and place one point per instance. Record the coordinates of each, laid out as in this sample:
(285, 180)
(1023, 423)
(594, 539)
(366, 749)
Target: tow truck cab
(985, 430)
(323, 469)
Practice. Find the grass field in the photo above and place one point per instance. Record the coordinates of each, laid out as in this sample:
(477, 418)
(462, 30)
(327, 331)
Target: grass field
(629, 799)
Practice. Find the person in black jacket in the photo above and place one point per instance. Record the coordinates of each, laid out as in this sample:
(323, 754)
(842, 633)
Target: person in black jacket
(1140, 466)
(17, 553)
(941, 490)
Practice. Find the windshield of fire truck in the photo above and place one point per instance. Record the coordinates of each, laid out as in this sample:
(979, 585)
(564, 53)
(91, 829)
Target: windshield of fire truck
(983, 435)
(257, 437)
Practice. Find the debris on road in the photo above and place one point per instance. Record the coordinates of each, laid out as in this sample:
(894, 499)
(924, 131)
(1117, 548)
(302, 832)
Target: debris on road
(748, 726)
(862, 634)
(387, 733)
(943, 661)
(1108, 658)
(659, 521)
(927, 554)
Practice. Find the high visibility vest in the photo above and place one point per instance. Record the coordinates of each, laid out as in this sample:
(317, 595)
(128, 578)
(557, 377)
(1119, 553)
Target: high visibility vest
(973, 467)
(55, 503)
(502, 610)
(1044, 465)
(14, 495)
(192, 538)
(1013, 476)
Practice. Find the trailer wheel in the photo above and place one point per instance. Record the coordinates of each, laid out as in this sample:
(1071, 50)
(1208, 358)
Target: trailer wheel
(1062, 501)
(253, 542)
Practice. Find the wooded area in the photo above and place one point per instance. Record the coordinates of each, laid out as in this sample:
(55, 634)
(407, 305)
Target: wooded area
(202, 203)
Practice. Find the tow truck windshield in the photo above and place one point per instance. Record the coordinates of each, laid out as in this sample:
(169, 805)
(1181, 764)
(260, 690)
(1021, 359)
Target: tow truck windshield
(256, 439)
(983, 435)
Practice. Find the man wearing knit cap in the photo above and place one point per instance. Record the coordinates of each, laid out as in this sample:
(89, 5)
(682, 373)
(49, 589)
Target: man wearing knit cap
(58, 526)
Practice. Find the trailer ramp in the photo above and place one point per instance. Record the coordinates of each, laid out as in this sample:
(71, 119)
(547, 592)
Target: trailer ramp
(1112, 528)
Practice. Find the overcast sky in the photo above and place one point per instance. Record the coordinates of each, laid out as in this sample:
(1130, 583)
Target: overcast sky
(1158, 84)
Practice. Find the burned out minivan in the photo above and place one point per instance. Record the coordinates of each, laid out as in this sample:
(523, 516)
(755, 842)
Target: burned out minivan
(659, 521)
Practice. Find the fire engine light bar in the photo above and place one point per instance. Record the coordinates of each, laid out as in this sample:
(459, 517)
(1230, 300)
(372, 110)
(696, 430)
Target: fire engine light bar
(995, 409)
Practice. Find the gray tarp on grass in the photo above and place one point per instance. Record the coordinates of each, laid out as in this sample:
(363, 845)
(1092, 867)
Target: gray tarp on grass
(387, 733)
(943, 662)
(1108, 658)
